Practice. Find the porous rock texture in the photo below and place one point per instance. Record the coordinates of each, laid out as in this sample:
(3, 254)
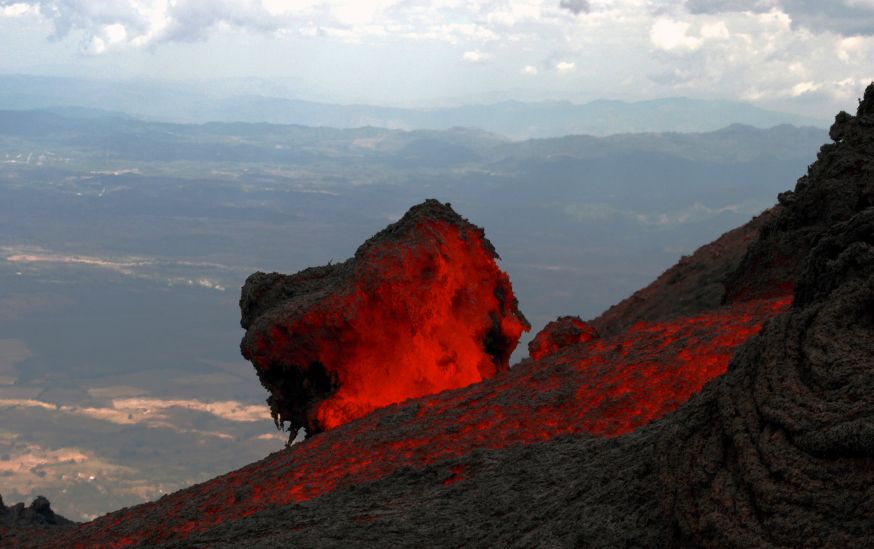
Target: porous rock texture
(604, 387)
(561, 332)
(422, 307)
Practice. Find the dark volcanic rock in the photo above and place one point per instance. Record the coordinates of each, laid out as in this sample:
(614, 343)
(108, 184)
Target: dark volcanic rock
(776, 453)
(837, 186)
(421, 308)
(39, 513)
(560, 333)
(779, 451)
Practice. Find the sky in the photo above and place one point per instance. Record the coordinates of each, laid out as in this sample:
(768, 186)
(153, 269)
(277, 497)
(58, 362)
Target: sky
(806, 56)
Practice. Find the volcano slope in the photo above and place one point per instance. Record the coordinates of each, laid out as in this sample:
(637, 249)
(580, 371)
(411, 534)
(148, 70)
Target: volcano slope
(776, 452)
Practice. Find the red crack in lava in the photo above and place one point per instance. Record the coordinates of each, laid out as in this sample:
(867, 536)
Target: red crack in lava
(605, 387)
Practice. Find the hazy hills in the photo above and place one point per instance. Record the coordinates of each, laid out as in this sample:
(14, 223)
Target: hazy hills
(229, 101)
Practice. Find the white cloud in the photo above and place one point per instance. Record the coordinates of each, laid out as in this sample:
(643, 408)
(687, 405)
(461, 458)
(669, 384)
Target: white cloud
(18, 10)
(846, 17)
(565, 67)
(281, 7)
(704, 48)
(115, 33)
(515, 13)
(668, 34)
(715, 31)
(474, 56)
(805, 87)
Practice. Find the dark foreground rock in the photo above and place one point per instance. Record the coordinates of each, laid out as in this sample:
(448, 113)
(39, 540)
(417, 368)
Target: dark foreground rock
(421, 308)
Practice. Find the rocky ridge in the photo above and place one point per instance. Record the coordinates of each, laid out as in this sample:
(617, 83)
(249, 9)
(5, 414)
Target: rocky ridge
(38, 513)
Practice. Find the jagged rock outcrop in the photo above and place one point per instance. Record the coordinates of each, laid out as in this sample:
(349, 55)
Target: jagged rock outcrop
(838, 185)
(38, 513)
(560, 333)
(603, 387)
(422, 307)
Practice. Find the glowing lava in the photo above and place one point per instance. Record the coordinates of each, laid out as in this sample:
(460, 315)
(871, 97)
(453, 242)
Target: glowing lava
(562, 332)
(421, 308)
(604, 387)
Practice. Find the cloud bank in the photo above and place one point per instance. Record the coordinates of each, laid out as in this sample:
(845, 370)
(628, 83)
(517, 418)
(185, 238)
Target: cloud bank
(809, 52)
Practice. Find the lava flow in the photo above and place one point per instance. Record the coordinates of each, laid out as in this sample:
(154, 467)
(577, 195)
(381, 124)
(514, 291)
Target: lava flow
(421, 308)
(604, 387)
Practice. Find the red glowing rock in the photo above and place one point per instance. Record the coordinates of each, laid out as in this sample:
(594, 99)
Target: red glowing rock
(422, 307)
(561, 332)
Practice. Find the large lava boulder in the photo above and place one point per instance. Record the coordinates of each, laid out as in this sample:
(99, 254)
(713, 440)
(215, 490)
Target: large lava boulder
(422, 307)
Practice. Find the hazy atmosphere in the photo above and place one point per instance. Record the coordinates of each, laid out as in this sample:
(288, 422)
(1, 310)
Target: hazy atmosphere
(155, 153)
(802, 56)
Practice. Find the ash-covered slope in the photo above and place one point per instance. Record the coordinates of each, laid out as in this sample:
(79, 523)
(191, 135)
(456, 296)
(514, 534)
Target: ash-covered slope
(693, 285)
(604, 387)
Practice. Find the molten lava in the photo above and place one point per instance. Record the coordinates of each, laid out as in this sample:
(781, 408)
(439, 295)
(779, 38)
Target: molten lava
(604, 387)
(421, 308)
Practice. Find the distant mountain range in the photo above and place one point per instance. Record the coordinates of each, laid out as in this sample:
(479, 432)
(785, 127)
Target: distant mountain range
(193, 102)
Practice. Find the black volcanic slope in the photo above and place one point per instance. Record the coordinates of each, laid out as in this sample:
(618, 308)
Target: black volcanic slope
(777, 452)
